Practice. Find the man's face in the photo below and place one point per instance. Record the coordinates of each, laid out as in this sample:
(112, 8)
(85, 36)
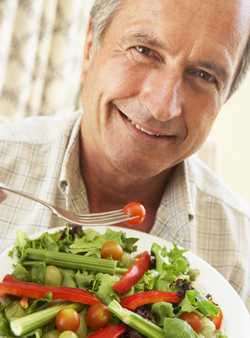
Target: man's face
(156, 83)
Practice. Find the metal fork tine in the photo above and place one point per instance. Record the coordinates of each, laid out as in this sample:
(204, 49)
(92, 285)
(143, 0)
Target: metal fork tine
(104, 222)
(114, 212)
(100, 217)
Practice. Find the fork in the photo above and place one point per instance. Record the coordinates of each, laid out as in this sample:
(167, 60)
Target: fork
(102, 218)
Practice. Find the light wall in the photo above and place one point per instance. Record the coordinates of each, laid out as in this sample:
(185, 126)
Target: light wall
(231, 134)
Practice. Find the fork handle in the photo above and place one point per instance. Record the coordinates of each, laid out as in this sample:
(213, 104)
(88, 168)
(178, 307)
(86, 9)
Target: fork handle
(25, 195)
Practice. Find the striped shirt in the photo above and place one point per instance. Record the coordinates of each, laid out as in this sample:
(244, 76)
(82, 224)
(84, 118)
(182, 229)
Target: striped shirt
(40, 155)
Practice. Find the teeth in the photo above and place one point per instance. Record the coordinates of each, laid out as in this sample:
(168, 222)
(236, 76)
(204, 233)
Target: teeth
(137, 126)
(144, 131)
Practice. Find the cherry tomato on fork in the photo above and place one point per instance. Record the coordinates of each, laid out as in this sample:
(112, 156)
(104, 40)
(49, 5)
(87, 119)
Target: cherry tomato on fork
(135, 209)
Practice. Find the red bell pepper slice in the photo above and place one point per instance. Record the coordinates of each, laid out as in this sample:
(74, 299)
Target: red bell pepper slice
(149, 297)
(10, 278)
(218, 320)
(109, 331)
(134, 274)
(15, 287)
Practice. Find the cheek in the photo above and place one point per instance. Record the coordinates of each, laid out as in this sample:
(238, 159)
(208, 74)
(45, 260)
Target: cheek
(199, 115)
(121, 79)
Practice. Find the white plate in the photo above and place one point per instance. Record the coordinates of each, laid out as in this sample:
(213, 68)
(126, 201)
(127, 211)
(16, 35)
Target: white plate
(236, 317)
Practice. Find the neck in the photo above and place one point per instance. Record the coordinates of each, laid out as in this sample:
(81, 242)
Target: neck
(110, 189)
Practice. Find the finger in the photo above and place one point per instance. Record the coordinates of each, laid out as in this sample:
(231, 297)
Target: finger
(3, 195)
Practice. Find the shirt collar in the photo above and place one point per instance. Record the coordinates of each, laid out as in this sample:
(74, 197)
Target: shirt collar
(176, 211)
(71, 182)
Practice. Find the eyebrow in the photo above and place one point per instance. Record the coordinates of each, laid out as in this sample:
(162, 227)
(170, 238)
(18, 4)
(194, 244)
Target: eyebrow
(144, 38)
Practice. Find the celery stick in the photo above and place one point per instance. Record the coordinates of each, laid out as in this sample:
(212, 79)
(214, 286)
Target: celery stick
(38, 319)
(143, 326)
(72, 261)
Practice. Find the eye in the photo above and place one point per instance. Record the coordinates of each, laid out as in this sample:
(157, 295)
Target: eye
(145, 53)
(203, 75)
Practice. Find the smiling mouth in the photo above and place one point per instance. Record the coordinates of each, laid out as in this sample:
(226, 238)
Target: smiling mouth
(142, 129)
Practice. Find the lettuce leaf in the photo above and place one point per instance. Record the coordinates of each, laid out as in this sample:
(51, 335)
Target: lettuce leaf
(92, 241)
(161, 311)
(103, 287)
(193, 300)
(178, 328)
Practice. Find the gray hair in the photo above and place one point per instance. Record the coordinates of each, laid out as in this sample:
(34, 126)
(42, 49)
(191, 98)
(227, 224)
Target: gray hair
(242, 68)
(103, 12)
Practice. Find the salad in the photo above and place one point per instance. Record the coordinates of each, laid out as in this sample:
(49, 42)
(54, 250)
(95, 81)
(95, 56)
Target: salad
(78, 283)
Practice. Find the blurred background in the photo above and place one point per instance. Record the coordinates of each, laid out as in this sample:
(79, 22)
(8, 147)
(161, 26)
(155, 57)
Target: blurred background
(40, 74)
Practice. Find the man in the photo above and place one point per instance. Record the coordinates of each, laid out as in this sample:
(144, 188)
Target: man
(156, 73)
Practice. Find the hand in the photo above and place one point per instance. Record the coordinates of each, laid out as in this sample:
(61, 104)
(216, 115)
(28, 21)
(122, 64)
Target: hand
(2, 196)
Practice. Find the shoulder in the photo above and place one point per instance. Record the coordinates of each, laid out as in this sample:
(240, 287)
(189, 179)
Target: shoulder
(34, 147)
(211, 188)
(37, 130)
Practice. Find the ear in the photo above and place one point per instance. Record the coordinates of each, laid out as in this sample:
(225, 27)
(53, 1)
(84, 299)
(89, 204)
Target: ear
(88, 47)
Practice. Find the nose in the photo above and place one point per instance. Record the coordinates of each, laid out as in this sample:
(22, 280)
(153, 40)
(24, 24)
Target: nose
(161, 94)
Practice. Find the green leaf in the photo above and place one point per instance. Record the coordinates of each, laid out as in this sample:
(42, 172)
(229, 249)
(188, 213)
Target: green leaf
(173, 267)
(20, 272)
(166, 279)
(20, 244)
(49, 241)
(128, 244)
(187, 305)
(148, 281)
(90, 235)
(91, 242)
(68, 278)
(193, 300)
(103, 285)
(84, 279)
(14, 310)
(181, 265)
(175, 253)
(161, 311)
(178, 328)
(38, 272)
(161, 256)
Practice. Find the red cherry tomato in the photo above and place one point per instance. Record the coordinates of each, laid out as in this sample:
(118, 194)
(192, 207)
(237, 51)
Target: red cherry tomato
(135, 209)
(112, 249)
(97, 316)
(193, 320)
(67, 320)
